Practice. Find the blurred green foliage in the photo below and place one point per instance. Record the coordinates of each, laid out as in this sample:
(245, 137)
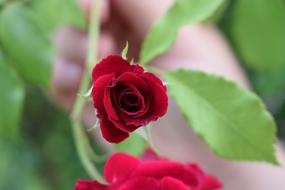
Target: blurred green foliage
(46, 130)
(31, 58)
(256, 30)
(37, 153)
(12, 98)
(45, 157)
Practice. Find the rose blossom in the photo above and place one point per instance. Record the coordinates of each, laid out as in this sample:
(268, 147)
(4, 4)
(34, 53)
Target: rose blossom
(126, 97)
(125, 172)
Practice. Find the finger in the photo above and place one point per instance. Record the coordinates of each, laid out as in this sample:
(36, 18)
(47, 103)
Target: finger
(63, 99)
(72, 43)
(66, 75)
(107, 45)
(141, 14)
(104, 10)
(201, 47)
(65, 82)
(230, 72)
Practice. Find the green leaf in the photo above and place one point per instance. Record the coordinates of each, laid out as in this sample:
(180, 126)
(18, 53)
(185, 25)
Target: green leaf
(134, 145)
(257, 28)
(11, 101)
(25, 45)
(231, 120)
(163, 33)
(125, 51)
(46, 17)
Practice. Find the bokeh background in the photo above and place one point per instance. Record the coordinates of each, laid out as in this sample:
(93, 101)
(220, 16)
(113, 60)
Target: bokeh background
(36, 145)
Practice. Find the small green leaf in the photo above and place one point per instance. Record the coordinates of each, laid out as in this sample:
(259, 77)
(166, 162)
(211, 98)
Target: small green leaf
(25, 45)
(125, 51)
(231, 120)
(257, 28)
(163, 33)
(11, 102)
(134, 145)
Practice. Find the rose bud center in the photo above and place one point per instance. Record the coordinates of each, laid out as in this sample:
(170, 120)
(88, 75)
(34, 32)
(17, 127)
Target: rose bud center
(130, 101)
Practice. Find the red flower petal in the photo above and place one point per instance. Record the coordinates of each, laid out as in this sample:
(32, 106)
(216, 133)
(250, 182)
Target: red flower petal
(110, 132)
(134, 79)
(162, 168)
(99, 87)
(138, 85)
(111, 64)
(209, 183)
(137, 68)
(150, 155)
(158, 95)
(89, 185)
(169, 183)
(108, 105)
(141, 183)
(119, 167)
(124, 127)
(205, 182)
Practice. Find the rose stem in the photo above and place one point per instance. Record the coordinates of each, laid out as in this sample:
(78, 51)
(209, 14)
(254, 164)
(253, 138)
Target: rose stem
(149, 139)
(80, 137)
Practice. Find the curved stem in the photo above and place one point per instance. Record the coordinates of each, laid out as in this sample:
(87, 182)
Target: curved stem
(81, 139)
(82, 146)
(149, 139)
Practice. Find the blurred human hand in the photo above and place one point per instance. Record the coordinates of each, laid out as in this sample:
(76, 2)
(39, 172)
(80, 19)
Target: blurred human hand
(197, 47)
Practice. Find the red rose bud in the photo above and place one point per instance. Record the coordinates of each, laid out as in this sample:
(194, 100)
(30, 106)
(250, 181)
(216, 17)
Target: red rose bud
(126, 97)
(125, 172)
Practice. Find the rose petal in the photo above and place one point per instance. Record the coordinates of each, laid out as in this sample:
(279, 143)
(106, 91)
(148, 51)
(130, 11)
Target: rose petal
(137, 68)
(134, 79)
(108, 105)
(150, 155)
(99, 87)
(141, 183)
(134, 90)
(163, 168)
(125, 127)
(119, 167)
(209, 183)
(110, 132)
(158, 97)
(111, 64)
(138, 85)
(89, 185)
(120, 117)
(205, 182)
(196, 169)
(128, 121)
(169, 183)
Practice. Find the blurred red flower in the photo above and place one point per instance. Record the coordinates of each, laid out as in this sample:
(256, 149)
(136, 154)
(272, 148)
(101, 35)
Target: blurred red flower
(125, 172)
(126, 97)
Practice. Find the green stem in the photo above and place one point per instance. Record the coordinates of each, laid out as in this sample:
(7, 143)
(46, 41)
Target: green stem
(94, 32)
(149, 138)
(81, 139)
(82, 146)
